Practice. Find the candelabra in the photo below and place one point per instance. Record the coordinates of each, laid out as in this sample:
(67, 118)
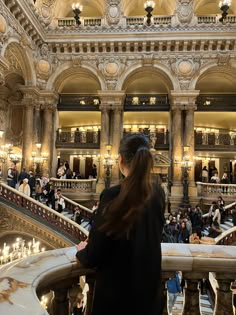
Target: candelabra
(224, 6)
(149, 6)
(77, 9)
(19, 249)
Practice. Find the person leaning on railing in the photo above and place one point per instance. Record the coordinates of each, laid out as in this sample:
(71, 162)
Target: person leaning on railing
(124, 243)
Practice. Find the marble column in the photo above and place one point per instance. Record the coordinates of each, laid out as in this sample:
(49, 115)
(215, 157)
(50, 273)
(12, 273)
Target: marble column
(27, 136)
(3, 127)
(37, 124)
(104, 140)
(47, 138)
(189, 140)
(117, 132)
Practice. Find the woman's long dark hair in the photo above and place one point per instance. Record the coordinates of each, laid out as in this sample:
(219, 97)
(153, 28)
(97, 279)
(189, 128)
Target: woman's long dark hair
(136, 188)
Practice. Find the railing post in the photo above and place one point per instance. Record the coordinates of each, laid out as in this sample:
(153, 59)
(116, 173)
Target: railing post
(224, 296)
(60, 302)
(164, 292)
(90, 279)
(191, 294)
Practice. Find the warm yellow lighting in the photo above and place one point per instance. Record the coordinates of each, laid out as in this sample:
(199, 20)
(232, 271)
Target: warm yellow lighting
(38, 145)
(108, 147)
(1, 133)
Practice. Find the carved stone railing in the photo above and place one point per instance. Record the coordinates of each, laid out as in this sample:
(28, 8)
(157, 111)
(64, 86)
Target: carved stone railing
(78, 139)
(61, 272)
(75, 185)
(158, 20)
(72, 205)
(42, 213)
(88, 21)
(214, 190)
(228, 237)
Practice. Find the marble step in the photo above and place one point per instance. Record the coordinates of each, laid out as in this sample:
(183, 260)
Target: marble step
(205, 306)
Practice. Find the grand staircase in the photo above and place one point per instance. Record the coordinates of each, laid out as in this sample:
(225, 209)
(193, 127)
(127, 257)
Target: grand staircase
(205, 305)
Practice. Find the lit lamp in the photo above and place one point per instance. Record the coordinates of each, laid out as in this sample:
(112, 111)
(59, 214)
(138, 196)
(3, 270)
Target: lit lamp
(108, 163)
(149, 6)
(224, 6)
(77, 9)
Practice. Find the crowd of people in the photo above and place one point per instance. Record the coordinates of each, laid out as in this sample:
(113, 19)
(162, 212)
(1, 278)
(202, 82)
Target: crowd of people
(190, 226)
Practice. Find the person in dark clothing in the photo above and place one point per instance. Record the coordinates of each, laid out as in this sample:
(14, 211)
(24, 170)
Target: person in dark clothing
(125, 239)
(94, 171)
(32, 183)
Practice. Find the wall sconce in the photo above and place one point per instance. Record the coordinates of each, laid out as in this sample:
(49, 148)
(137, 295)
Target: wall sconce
(224, 6)
(77, 9)
(149, 6)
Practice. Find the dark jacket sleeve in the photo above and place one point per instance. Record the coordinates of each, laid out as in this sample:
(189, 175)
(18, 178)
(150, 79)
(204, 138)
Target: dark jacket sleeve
(99, 244)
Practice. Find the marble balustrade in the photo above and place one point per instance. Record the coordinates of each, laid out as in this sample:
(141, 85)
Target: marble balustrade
(214, 190)
(43, 213)
(75, 185)
(58, 270)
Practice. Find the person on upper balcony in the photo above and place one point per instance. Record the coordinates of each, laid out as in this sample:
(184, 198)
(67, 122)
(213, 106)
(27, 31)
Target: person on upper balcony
(204, 174)
(225, 179)
(215, 179)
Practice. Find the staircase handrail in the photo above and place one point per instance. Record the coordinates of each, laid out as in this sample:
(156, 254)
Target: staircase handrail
(45, 213)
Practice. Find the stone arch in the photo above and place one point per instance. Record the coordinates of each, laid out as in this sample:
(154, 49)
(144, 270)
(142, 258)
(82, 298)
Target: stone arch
(68, 70)
(168, 79)
(211, 69)
(17, 54)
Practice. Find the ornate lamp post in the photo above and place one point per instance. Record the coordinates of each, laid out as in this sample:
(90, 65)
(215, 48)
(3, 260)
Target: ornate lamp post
(108, 163)
(186, 166)
(224, 6)
(149, 6)
(77, 9)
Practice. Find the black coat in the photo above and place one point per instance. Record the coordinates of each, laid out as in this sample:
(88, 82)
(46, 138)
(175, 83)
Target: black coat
(128, 271)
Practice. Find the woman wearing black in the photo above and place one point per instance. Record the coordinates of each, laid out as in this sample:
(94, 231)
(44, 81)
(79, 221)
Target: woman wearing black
(125, 240)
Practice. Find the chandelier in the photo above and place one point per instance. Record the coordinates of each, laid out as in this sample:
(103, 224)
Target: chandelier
(19, 249)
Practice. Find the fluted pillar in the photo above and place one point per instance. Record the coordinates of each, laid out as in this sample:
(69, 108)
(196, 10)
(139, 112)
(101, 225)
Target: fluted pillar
(37, 124)
(27, 136)
(117, 132)
(182, 134)
(189, 139)
(3, 125)
(47, 137)
(111, 130)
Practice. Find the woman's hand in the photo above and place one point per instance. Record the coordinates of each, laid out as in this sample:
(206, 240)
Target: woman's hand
(81, 245)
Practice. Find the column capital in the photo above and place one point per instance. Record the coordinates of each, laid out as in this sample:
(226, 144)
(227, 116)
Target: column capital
(112, 99)
(184, 99)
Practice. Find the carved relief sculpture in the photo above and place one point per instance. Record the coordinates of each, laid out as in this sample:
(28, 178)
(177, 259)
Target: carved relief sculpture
(113, 11)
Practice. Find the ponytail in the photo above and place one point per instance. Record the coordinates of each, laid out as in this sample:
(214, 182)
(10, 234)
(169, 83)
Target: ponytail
(136, 188)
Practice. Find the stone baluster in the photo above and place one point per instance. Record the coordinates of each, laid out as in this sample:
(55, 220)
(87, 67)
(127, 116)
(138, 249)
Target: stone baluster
(191, 305)
(224, 295)
(90, 279)
(60, 302)
(165, 276)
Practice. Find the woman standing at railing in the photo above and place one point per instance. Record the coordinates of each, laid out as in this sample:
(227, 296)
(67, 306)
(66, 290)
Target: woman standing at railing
(124, 243)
